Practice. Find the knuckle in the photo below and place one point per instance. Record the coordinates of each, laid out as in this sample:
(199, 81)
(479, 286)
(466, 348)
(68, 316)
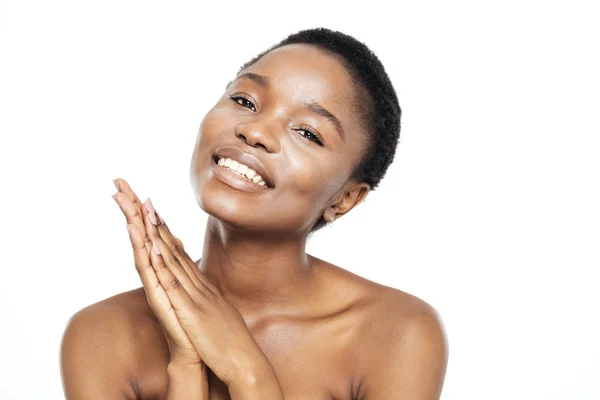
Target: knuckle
(156, 289)
(134, 214)
(179, 242)
(140, 268)
(175, 261)
(174, 283)
(197, 298)
(178, 249)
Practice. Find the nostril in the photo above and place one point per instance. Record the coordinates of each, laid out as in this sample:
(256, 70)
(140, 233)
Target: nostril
(253, 139)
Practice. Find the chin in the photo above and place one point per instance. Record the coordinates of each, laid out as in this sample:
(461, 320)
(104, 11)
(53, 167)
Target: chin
(250, 212)
(224, 205)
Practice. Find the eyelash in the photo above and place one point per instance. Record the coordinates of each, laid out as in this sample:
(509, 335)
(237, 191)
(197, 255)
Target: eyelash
(317, 138)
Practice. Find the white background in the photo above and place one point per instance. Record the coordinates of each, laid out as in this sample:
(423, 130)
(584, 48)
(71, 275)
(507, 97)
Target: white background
(490, 211)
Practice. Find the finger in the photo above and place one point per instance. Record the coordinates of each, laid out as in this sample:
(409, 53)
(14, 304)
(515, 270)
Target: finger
(178, 251)
(174, 287)
(132, 215)
(131, 207)
(168, 260)
(190, 267)
(176, 247)
(179, 242)
(155, 293)
(124, 188)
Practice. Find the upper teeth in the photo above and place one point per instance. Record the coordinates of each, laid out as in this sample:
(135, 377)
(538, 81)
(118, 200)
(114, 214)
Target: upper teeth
(242, 170)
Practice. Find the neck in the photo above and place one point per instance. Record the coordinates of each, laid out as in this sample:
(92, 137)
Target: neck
(255, 272)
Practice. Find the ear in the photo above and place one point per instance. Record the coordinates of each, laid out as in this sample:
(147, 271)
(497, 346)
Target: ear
(346, 201)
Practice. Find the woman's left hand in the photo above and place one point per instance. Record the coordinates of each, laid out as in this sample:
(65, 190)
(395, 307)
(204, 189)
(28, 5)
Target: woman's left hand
(215, 327)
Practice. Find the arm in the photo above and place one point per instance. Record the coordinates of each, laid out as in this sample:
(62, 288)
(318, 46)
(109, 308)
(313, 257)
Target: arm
(95, 357)
(187, 382)
(96, 360)
(256, 379)
(413, 364)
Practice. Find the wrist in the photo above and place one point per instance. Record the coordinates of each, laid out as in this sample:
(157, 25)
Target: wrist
(186, 381)
(254, 377)
(177, 368)
(247, 369)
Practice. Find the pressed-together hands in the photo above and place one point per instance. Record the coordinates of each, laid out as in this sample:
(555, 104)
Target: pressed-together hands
(201, 327)
(180, 347)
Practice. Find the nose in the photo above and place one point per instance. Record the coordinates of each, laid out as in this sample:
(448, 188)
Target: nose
(258, 134)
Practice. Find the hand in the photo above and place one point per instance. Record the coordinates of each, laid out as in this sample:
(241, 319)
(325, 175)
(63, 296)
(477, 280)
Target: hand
(181, 349)
(215, 327)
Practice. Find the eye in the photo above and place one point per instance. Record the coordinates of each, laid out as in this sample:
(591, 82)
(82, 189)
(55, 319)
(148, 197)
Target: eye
(311, 134)
(244, 102)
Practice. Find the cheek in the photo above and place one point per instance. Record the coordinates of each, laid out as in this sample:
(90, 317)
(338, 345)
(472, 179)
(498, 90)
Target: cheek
(303, 175)
(310, 184)
(214, 124)
(210, 128)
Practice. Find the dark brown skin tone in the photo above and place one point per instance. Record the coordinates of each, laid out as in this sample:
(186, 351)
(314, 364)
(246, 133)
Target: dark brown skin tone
(325, 332)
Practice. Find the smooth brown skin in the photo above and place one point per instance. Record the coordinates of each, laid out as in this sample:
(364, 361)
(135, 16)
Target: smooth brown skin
(328, 333)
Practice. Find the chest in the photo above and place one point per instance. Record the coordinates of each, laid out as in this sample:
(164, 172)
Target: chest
(312, 362)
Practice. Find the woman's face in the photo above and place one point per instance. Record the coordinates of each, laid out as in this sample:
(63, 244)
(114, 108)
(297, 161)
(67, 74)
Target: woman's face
(272, 118)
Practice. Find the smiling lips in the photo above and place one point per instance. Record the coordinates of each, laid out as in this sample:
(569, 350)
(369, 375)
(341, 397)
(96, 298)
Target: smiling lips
(235, 160)
(242, 170)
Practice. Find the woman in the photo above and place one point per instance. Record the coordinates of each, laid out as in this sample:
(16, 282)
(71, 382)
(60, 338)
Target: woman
(300, 136)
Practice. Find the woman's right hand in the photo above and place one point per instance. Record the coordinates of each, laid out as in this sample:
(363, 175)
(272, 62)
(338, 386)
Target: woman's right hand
(182, 352)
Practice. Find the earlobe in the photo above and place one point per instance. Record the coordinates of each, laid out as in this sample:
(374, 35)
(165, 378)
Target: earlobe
(329, 214)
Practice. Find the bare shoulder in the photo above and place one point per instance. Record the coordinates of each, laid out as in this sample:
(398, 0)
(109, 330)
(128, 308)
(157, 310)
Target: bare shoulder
(393, 305)
(401, 317)
(400, 347)
(403, 346)
(407, 352)
(102, 347)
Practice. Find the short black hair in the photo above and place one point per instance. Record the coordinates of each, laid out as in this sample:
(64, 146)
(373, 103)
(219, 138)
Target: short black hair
(382, 116)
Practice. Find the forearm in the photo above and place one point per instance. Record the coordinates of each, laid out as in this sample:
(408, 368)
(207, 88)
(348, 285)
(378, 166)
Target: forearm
(257, 381)
(187, 382)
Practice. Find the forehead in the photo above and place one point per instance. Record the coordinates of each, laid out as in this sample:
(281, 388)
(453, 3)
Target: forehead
(302, 72)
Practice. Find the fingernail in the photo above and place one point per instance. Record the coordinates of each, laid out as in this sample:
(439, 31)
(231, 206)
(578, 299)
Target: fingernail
(117, 185)
(155, 248)
(129, 229)
(151, 211)
(149, 206)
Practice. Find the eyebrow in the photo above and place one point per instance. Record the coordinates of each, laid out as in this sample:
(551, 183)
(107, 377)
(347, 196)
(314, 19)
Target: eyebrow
(310, 105)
